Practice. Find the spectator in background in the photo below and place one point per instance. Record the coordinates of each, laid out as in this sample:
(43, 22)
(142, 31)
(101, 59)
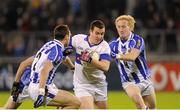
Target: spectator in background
(19, 50)
(171, 40)
(2, 44)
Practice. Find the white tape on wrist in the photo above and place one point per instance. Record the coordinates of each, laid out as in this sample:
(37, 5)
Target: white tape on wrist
(41, 91)
(118, 56)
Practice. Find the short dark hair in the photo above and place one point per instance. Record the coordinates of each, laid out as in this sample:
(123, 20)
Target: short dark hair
(97, 23)
(61, 31)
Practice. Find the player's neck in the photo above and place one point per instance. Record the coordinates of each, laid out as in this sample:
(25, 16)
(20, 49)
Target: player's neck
(125, 38)
(92, 41)
(62, 42)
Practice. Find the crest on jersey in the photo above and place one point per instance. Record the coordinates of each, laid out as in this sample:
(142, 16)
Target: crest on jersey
(80, 48)
(138, 43)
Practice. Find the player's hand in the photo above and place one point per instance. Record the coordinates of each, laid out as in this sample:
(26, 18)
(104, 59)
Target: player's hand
(15, 91)
(85, 56)
(94, 55)
(39, 102)
(40, 99)
(67, 51)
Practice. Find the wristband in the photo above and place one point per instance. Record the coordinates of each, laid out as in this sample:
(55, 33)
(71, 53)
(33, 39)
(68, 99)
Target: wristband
(118, 56)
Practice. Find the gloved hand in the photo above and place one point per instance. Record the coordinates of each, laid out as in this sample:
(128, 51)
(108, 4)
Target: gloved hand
(67, 51)
(85, 56)
(40, 99)
(15, 91)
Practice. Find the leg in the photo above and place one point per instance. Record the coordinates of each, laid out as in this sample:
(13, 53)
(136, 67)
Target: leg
(134, 93)
(101, 104)
(66, 100)
(10, 104)
(87, 102)
(150, 100)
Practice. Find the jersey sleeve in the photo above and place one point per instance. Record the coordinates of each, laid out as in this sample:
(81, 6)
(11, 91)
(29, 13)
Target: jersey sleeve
(137, 42)
(105, 53)
(53, 54)
(114, 49)
(73, 41)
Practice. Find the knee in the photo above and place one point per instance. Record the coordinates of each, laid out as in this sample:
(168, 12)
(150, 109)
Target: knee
(76, 103)
(152, 106)
(137, 99)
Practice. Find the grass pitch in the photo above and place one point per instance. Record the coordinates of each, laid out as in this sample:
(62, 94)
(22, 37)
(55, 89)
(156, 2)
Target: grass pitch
(116, 100)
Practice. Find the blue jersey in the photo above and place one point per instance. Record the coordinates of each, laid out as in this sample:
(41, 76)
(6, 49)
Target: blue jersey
(131, 71)
(52, 51)
(25, 78)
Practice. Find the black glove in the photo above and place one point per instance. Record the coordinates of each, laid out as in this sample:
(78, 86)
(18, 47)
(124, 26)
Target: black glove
(15, 91)
(85, 56)
(67, 51)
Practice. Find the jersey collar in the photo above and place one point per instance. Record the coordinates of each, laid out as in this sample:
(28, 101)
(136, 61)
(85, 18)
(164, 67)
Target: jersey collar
(91, 45)
(57, 41)
(129, 38)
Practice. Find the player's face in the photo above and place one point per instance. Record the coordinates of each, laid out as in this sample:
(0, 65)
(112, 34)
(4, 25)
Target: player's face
(123, 29)
(97, 34)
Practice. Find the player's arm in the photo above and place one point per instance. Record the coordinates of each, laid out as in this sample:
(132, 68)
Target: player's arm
(42, 83)
(131, 56)
(44, 73)
(101, 64)
(23, 65)
(16, 85)
(93, 58)
(68, 63)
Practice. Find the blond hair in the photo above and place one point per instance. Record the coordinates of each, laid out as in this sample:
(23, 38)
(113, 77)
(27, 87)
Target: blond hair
(128, 18)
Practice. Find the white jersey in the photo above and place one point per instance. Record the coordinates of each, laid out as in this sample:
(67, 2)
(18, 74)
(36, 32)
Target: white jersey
(86, 73)
(52, 50)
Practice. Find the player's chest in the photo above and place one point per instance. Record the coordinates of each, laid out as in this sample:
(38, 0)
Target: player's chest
(124, 48)
(85, 46)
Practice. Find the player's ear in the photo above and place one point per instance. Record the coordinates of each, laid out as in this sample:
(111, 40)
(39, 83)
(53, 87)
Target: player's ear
(90, 31)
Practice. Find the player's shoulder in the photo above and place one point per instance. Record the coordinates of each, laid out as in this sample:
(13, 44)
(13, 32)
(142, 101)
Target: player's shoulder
(104, 42)
(137, 40)
(80, 36)
(114, 42)
(136, 37)
(49, 43)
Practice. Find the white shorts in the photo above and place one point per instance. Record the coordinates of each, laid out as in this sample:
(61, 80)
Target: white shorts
(146, 86)
(34, 89)
(23, 95)
(98, 93)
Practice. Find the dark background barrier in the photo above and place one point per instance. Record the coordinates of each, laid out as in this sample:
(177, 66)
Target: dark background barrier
(165, 76)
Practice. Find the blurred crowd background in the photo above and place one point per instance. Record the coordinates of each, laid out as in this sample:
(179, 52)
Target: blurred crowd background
(25, 25)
